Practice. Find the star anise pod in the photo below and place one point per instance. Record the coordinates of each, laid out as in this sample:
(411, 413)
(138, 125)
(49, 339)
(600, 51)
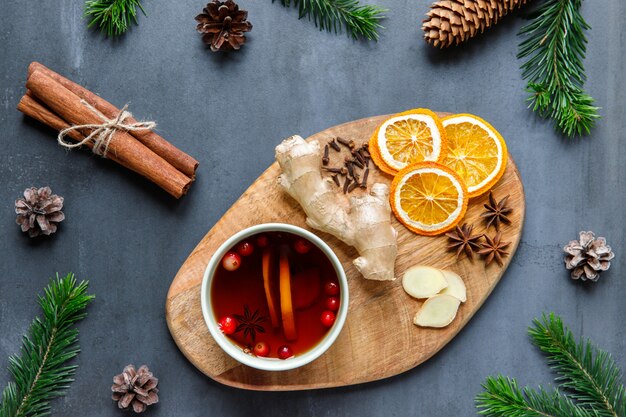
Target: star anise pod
(497, 212)
(494, 249)
(250, 323)
(462, 240)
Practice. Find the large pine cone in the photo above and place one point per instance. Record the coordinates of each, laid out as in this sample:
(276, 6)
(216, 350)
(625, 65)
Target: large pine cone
(39, 211)
(588, 256)
(136, 389)
(450, 22)
(223, 25)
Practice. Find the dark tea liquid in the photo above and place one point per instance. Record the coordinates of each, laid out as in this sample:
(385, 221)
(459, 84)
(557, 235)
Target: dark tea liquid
(241, 294)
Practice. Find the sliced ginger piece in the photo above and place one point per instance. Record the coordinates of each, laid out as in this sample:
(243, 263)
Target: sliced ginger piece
(456, 286)
(286, 307)
(266, 261)
(423, 281)
(437, 311)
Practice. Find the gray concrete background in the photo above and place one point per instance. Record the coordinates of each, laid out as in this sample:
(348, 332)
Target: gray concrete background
(129, 238)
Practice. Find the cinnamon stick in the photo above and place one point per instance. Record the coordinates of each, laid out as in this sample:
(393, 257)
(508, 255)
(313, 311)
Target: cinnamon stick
(123, 148)
(31, 107)
(177, 158)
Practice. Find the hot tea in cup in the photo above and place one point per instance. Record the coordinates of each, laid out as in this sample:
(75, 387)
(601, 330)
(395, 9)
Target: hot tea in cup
(275, 295)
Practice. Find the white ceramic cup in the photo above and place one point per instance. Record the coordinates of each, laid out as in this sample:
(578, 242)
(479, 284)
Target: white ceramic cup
(272, 364)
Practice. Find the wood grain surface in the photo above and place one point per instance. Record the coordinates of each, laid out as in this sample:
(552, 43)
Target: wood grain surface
(368, 348)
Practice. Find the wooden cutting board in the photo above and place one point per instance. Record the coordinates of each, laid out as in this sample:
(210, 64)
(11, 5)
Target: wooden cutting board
(379, 339)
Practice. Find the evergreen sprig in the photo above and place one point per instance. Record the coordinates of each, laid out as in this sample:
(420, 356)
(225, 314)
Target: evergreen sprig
(588, 376)
(588, 373)
(554, 50)
(113, 17)
(333, 15)
(40, 373)
(503, 397)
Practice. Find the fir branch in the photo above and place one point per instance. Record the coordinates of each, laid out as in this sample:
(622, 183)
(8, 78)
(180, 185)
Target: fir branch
(588, 372)
(555, 46)
(113, 17)
(333, 15)
(503, 398)
(39, 372)
(589, 376)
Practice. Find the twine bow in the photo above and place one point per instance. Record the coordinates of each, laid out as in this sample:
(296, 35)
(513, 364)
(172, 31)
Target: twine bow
(102, 134)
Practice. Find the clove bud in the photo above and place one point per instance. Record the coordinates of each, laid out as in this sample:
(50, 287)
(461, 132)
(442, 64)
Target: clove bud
(347, 143)
(358, 156)
(364, 182)
(342, 170)
(348, 164)
(346, 184)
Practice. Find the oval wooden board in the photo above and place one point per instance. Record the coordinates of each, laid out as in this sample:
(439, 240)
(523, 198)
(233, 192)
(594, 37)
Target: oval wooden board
(368, 348)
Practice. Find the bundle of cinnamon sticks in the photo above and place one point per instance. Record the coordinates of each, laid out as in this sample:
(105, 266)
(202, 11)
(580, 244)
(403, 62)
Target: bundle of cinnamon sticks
(60, 103)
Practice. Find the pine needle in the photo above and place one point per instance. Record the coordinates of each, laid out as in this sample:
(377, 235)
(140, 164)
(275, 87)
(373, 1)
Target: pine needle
(40, 373)
(503, 398)
(588, 377)
(589, 373)
(113, 17)
(555, 48)
(333, 15)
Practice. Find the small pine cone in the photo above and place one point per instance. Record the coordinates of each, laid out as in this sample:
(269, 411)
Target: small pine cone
(450, 22)
(39, 211)
(223, 25)
(136, 389)
(588, 256)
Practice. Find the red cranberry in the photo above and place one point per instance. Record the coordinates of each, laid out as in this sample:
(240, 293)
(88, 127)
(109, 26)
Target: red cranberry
(245, 248)
(285, 352)
(302, 246)
(231, 261)
(227, 324)
(332, 303)
(262, 241)
(331, 288)
(328, 318)
(262, 349)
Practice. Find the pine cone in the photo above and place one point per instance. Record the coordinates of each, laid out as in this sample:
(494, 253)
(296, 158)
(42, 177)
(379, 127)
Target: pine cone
(39, 211)
(454, 21)
(588, 256)
(135, 388)
(223, 25)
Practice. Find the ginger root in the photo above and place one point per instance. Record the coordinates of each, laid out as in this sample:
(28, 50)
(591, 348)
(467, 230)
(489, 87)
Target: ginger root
(365, 223)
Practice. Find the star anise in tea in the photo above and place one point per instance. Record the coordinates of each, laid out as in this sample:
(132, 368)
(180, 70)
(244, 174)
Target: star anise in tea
(494, 249)
(462, 240)
(250, 323)
(497, 212)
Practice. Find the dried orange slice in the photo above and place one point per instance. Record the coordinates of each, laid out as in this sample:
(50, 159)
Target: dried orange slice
(409, 137)
(428, 198)
(476, 152)
(377, 159)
